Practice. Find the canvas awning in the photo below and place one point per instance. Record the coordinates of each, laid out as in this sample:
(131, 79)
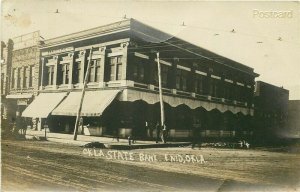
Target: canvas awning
(43, 104)
(19, 96)
(94, 103)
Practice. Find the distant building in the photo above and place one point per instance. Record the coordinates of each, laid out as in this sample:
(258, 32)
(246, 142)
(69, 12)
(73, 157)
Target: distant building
(271, 110)
(204, 93)
(24, 75)
(293, 122)
(6, 59)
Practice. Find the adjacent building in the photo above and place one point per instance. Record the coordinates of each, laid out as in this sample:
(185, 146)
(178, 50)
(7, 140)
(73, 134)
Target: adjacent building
(6, 57)
(293, 121)
(271, 111)
(23, 76)
(204, 93)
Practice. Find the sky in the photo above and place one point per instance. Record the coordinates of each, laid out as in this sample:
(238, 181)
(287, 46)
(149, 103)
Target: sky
(266, 34)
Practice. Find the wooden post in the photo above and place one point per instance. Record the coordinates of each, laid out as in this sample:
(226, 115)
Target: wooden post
(162, 113)
(82, 94)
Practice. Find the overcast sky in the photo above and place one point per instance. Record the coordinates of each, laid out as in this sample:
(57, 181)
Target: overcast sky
(270, 45)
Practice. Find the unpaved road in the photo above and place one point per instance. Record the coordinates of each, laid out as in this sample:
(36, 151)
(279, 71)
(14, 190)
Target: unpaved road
(41, 165)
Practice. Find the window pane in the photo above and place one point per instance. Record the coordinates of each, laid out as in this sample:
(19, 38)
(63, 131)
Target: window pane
(92, 72)
(119, 72)
(112, 72)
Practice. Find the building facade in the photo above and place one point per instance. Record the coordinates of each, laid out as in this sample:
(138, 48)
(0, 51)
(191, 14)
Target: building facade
(271, 111)
(204, 93)
(293, 122)
(23, 76)
(6, 61)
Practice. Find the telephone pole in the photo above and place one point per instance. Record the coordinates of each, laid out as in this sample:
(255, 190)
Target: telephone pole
(82, 95)
(162, 112)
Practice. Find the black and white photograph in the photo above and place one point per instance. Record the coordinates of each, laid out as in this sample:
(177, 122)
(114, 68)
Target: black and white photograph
(150, 95)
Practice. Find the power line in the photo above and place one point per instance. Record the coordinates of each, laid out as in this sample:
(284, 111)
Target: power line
(192, 52)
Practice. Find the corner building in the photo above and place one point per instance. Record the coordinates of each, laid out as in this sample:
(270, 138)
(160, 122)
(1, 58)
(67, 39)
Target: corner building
(204, 93)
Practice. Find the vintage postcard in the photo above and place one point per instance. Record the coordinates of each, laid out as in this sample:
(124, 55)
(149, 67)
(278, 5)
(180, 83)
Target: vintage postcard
(130, 95)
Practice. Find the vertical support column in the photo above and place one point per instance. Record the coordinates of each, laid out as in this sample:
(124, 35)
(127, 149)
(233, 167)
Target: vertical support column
(102, 63)
(55, 71)
(39, 124)
(71, 66)
(124, 47)
(82, 64)
(192, 77)
(209, 82)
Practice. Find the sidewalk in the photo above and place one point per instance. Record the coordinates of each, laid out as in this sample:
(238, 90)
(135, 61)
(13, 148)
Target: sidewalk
(109, 143)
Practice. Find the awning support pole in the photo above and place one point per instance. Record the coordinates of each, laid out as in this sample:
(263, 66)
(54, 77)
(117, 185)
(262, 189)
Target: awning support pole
(162, 112)
(82, 95)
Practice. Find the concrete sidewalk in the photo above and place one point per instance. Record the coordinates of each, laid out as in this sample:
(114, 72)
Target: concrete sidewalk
(110, 143)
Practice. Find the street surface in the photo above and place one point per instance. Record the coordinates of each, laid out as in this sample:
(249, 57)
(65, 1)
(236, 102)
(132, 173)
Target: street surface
(42, 165)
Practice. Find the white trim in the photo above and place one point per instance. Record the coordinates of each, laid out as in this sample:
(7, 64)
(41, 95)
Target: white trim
(240, 84)
(201, 73)
(164, 62)
(249, 86)
(50, 63)
(114, 54)
(141, 55)
(183, 68)
(215, 77)
(228, 80)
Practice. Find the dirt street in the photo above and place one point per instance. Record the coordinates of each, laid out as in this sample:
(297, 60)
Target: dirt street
(42, 165)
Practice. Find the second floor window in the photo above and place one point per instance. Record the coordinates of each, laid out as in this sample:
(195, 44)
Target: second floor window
(76, 72)
(199, 84)
(65, 73)
(138, 72)
(95, 73)
(31, 75)
(115, 65)
(213, 88)
(25, 77)
(13, 78)
(19, 78)
(50, 75)
(164, 75)
(181, 79)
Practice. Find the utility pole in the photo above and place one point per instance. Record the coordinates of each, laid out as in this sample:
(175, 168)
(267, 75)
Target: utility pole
(162, 112)
(82, 95)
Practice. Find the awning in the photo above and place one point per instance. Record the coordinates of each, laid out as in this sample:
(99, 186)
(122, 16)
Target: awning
(19, 96)
(43, 105)
(174, 101)
(94, 103)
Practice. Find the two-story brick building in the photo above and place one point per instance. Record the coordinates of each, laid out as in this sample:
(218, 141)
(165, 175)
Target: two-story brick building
(23, 75)
(202, 91)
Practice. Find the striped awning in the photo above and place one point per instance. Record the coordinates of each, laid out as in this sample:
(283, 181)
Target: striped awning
(43, 104)
(94, 103)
